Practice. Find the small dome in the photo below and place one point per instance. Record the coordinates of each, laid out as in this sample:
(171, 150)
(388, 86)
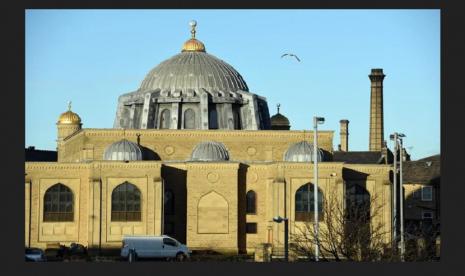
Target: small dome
(302, 152)
(279, 121)
(210, 151)
(193, 45)
(69, 117)
(123, 150)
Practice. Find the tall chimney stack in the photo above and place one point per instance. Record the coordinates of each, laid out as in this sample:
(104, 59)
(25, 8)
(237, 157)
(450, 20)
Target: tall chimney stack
(344, 132)
(376, 110)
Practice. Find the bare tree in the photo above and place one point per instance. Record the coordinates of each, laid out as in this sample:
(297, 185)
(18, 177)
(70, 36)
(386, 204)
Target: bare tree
(352, 231)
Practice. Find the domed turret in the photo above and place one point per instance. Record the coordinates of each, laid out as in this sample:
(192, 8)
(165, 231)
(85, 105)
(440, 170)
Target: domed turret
(303, 152)
(69, 117)
(210, 151)
(123, 150)
(279, 121)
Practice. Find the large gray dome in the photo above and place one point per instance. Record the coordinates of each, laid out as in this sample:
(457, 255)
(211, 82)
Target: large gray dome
(123, 150)
(302, 152)
(210, 151)
(194, 70)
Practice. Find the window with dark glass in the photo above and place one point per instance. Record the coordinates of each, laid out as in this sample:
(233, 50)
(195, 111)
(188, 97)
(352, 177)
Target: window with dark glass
(169, 202)
(165, 119)
(251, 227)
(305, 203)
(357, 202)
(125, 203)
(189, 119)
(213, 117)
(251, 202)
(427, 193)
(58, 203)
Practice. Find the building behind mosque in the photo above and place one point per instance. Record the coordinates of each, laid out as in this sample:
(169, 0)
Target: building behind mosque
(194, 154)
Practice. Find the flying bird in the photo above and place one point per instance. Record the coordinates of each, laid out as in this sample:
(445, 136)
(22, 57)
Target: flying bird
(291, 55)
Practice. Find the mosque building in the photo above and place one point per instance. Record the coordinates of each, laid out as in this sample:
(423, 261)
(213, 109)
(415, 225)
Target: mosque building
(194, 154)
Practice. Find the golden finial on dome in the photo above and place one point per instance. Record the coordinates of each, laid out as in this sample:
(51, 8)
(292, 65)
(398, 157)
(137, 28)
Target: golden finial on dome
(69, 117)
(193, 45)
(193, 24)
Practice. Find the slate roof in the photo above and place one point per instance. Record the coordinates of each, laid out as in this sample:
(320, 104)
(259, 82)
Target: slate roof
(358, 157)
(422, 171)
(33, 155)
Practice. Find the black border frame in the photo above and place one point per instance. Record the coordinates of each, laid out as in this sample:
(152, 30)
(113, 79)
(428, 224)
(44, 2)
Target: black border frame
(452, 152)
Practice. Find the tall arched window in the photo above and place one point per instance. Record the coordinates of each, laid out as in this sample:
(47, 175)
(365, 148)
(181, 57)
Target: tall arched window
(169, 202)
(357, 203)
(189, 119)
(305, 203)
(165, 119)
(251, 202)
(58, 203)
(125, 203)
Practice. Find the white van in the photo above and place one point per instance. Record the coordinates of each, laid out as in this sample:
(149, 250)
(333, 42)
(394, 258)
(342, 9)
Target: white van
(154, 247)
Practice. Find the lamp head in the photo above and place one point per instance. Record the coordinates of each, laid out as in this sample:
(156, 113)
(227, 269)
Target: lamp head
(318, 120)
(278, 219)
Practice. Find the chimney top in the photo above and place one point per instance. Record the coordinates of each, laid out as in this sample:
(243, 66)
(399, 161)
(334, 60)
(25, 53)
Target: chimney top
(344, 121)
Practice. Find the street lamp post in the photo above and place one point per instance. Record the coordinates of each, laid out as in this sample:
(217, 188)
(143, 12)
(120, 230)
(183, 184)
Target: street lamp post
(398, 146)
(393, 137)
(316, 121)
(279, 219)
(401, 192)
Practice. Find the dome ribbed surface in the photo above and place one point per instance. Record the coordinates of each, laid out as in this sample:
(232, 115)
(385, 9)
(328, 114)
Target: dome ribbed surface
(123, 150)
(210, 151)
(302, 152)
(194, 70)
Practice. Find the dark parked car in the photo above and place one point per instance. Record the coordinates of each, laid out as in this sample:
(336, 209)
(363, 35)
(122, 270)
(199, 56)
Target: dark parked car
(74, 251)
(35, 255)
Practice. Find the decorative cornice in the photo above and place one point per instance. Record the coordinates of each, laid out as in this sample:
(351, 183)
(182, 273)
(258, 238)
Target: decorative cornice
(271, 134)
(212, 165)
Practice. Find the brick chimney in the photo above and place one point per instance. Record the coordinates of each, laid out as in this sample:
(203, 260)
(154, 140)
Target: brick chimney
(344, 132)
(376, 110)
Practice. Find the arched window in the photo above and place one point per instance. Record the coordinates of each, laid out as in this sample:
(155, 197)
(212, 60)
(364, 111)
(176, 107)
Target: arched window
(305, 203)
(58, 203)
(357, 203)
(169, 202)
(189, 119)
(125, 203)
(165, 119)
(251, 202)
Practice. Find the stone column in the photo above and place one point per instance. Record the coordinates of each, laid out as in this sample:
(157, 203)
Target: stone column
(344, 132)
(174, 116)
(376, 110)
(145, 112)
(203, 109)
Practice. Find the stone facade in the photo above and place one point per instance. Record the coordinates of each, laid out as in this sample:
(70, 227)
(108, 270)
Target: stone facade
(209, 197)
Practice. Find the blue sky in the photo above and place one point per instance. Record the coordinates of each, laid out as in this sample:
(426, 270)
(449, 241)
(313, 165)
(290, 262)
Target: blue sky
(92, 56)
